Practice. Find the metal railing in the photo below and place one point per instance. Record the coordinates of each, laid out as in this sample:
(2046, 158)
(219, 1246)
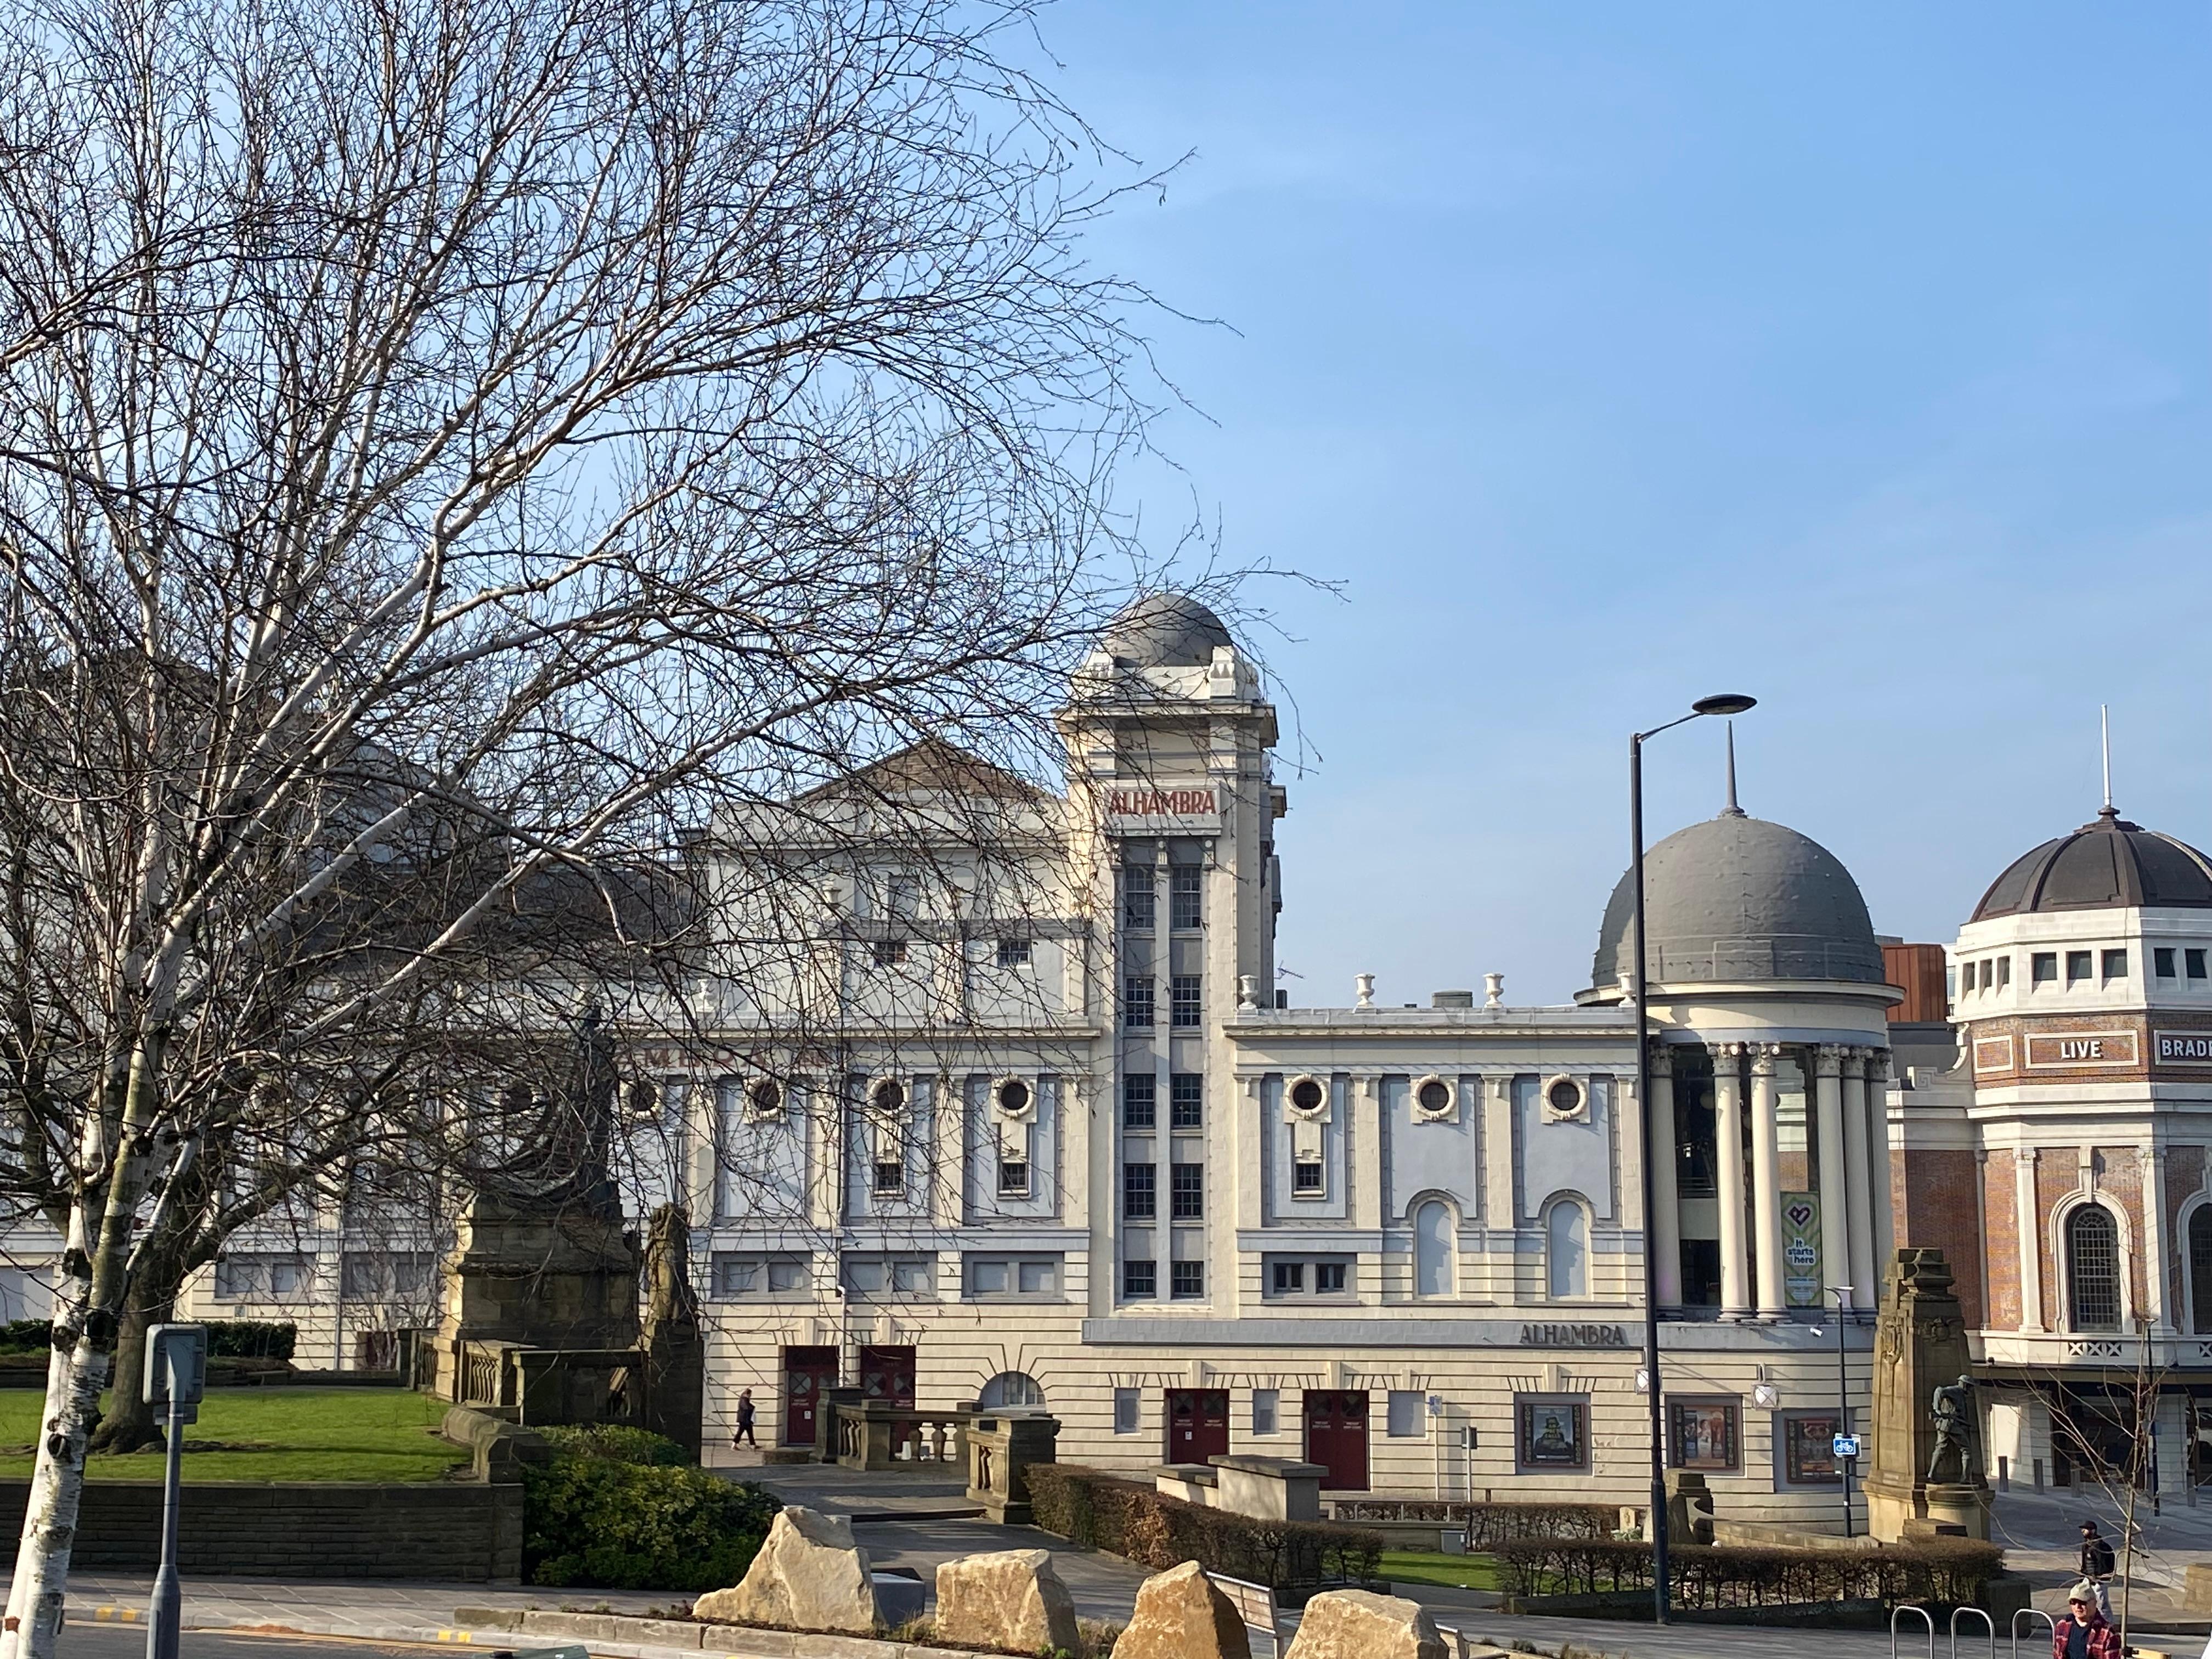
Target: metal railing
(1988, 1624)
(2049, 1624)
(1925, 1617)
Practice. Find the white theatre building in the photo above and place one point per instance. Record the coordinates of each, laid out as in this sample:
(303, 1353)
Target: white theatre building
(1068, 1150)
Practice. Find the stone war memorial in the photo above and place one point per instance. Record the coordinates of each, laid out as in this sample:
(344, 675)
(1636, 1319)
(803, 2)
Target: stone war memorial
(1927, 1478)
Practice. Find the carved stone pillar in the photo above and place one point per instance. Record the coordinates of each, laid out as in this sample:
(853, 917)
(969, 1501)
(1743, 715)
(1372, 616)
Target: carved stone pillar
(2028, 1237)
(1766, 1181)
(2150, 1164)
(1662, 1231)
(1835, 1185)
(1859, 1180)
(1727, 1169)
(1884, 1168)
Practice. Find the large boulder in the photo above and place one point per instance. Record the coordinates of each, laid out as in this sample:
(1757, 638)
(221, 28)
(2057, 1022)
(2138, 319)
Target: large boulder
(1181, 1615)
(1011, 1599)
(809, 1575)
(1360, 1624)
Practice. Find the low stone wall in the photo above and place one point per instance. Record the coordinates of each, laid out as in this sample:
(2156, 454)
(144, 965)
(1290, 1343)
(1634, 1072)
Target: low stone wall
(451, 1531)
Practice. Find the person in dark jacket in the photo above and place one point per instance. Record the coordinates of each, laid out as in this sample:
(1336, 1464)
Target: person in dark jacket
(746, 1414)
(2083, 1633)
(2097, 1567)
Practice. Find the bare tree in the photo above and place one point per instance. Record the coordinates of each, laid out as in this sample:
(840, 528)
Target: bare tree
(447, 454)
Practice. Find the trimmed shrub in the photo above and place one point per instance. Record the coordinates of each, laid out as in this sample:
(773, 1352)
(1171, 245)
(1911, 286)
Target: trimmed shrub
(1950, 1572)
(611, 1520)
(1488, 1524)
(1129, 1519)
(618, 1443)
(250, 1338)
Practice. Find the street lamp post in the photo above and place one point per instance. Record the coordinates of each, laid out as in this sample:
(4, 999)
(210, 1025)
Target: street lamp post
(1726, 703)
(1843, 1295)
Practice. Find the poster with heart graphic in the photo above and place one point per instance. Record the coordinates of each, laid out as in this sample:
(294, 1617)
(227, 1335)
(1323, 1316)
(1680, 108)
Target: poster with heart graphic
(1801, 1249)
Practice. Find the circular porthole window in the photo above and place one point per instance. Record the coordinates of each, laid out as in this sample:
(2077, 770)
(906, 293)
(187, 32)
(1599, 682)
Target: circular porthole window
(1013, 1096)
(1308, 1094)
(766, 1097)
(644, 1100)
(1432, 1097)
(1566, 1097)
(887, 1096)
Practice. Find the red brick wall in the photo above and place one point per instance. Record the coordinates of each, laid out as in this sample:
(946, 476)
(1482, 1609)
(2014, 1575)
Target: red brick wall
(2001, 1248)
(1935, 1211)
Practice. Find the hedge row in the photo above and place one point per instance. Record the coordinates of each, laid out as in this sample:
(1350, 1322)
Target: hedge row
(227, 1339)
(1489, 1524)
(1154, 1530)
(619, 1509)
(1950, 1572)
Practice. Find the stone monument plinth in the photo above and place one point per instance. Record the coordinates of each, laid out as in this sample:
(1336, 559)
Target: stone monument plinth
(1926, 1434)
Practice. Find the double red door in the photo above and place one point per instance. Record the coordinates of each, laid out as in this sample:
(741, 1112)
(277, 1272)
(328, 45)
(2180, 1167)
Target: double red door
(1198, 1424)
(809, 1374)
(887, 1375)
(1336, 1436)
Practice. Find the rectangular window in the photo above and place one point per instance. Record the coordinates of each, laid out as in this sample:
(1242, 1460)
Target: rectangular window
(1139, 1191)
(1038, 1276)
(1552, 1435)
(2043, 968)
(1408, 1411)
(900, 1275)
(787, 1277)
(1129, 1410)
(1137, 1002)
(1013, 1178)
(1306, 1178)
(1185, 1192)
(263, 1277)
(2161, 962)
(1267, 1410)
(1186, 1100)
(989, 1278)
(1139, 1279)
(890, 1178)
(1183, 889)
(2194, 962)
(1139, 1090)
(2004, 972)
(914, 1278)
(866, 1274)
(373, 1275)
(1988, 973)
(1186, 1280)
(1808, 1453)
(1001, 1277)
(1328, 1278)
(2114, 965)
(736, 1277)
(1186, 1005)
(888, 952)
(1287, 1278)
(903, 897)
(1139, 898)
(1701, 1434)
(2077, 968)
(1013, 953)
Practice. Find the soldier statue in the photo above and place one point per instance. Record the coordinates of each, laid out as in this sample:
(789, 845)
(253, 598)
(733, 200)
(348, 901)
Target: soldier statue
(1952, 1410)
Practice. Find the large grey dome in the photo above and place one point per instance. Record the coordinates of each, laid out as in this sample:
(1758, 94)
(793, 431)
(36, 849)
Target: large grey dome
(2102, 866)
(1739, 898)
(1165, 630)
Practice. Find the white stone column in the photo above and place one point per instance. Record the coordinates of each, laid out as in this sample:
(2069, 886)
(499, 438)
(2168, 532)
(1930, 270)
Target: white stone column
(1828, 1115)
(2027, 1238)
(1766, 1181)
(1727, 1167)
(1859, 1180)
(2151, 1163)
(1885, 1168)
(1662, 1232)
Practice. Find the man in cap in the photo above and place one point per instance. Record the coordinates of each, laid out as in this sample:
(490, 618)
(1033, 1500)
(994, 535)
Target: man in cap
(2083, 1633)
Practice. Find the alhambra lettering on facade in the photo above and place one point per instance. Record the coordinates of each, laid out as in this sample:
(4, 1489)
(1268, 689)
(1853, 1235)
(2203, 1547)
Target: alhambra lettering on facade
(1574, 1336)
(1156, 803)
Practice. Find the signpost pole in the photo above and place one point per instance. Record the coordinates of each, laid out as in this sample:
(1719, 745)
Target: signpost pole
(1844, 1400)
(168, 1609)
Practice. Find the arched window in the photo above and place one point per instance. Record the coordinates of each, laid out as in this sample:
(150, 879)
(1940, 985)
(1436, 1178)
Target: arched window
(1566, 1250)
(1434, 1269)
(2093, 1269)
(2200, 1270)
(1012, 1391)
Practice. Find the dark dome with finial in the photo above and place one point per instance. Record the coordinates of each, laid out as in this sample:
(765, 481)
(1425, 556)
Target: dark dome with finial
(2105, 865)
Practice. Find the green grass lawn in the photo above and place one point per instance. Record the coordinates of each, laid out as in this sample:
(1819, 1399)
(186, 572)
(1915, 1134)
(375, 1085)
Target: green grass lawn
(273, 1434)
(1450, 1571)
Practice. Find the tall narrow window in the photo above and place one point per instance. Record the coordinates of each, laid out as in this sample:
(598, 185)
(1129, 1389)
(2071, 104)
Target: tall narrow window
(1137, 1002)
(1566, 1251)
(1140, 1100)
(1432, 1249)
(1186, 1005)
(1183, 889)
(1186, 1100)
(2200, 1270)
(1185, 1192)
(1139, 1191)
(2093, 1269)
(1139, 898)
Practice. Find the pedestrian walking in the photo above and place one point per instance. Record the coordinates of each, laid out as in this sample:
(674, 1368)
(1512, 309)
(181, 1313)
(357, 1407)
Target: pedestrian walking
(2097, 1567)
(746, 1414)
(2084, 1632)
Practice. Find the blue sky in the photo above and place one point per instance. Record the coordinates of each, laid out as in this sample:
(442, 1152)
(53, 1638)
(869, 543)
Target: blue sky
(1607, 354)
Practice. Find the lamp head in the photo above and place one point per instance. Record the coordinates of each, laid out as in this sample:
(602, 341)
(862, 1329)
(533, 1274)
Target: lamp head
(1727, 702)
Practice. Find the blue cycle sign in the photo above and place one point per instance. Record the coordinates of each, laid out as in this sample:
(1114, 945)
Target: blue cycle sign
(1844, 1445)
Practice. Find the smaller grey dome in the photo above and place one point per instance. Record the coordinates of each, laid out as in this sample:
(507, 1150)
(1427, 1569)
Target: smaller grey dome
(1165, 630)
(2106, 865)
(1740, 898)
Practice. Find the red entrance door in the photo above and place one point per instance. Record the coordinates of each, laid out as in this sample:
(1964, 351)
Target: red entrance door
(808, 1374)
(1198, 1424)
(1336, 1438)
(887, 1374)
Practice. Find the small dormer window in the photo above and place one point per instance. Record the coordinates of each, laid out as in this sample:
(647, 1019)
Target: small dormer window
(2077, 968)
(2115, 966)
(2043, 968)
(2004, 972)
(2161, 962)
(2194, 962)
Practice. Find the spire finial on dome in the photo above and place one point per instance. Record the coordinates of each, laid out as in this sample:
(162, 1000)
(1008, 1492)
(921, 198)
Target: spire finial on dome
(1731, 811)
(2105, 733)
